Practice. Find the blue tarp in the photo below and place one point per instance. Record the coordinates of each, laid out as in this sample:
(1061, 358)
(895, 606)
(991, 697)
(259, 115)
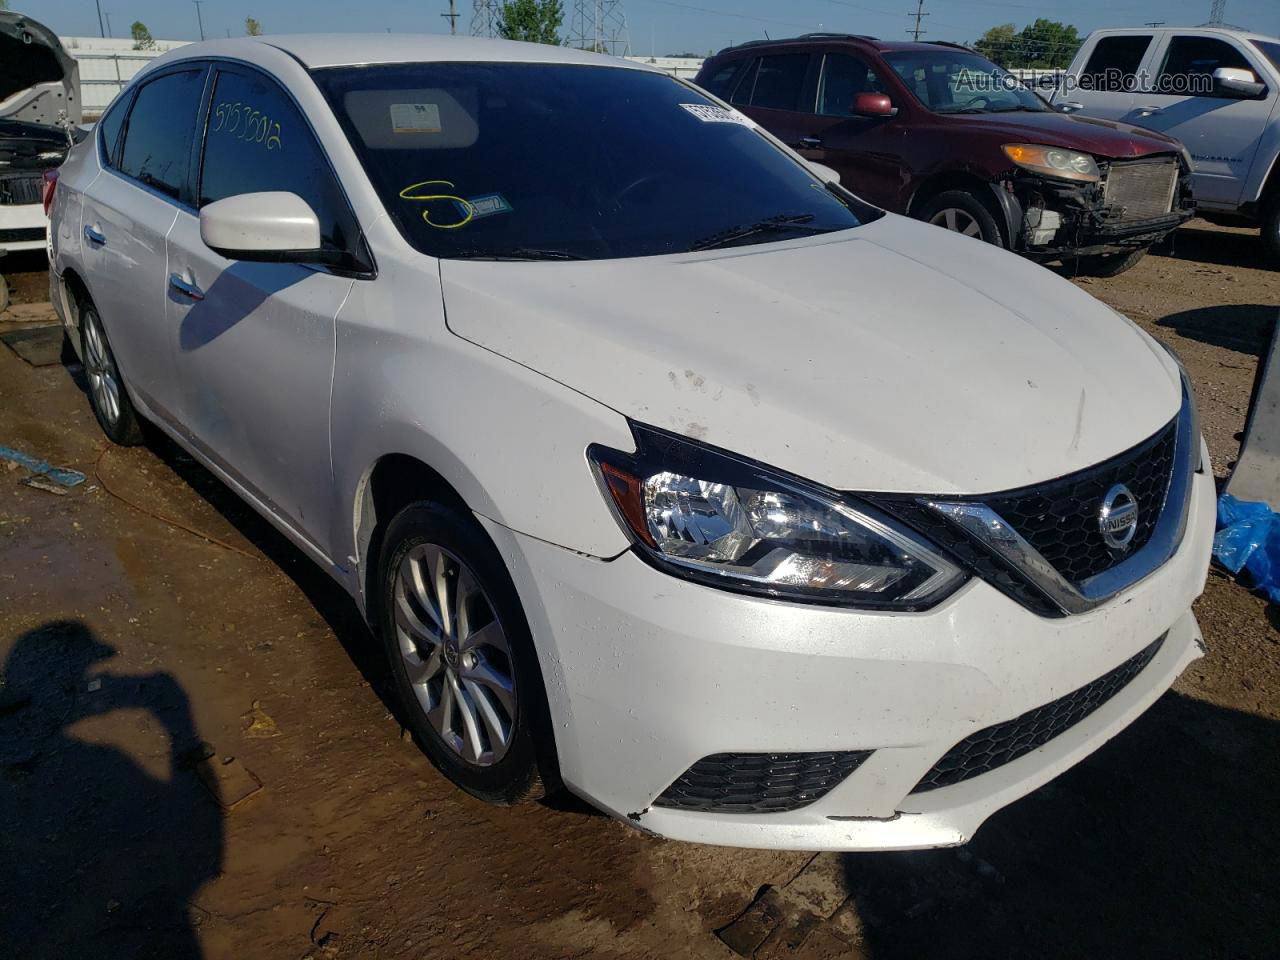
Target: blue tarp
(1248, 543)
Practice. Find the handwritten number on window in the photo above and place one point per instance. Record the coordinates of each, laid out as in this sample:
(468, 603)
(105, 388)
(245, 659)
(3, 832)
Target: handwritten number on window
(248, 124)
(422, 192)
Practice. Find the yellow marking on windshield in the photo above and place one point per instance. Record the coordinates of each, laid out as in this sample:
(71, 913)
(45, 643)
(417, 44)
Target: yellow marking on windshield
(411, 193)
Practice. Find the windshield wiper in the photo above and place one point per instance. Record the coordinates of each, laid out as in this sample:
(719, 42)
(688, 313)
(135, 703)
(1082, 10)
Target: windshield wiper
(524, 253)
(780, 224)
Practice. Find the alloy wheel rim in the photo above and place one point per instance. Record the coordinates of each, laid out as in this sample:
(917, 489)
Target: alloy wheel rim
(455, 653)
(957, 221)
(100, 368)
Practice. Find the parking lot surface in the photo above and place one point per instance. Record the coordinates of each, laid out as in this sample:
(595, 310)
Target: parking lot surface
(196, 757)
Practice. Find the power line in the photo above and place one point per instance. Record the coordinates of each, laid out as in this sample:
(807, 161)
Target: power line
(915, 33)
(727, 13)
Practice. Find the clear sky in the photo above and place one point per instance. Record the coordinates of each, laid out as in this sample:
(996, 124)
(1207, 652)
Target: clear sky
(661, 26)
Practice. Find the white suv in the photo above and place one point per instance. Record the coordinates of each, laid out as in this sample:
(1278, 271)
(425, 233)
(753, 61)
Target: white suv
(1214, 89)
(663, 468)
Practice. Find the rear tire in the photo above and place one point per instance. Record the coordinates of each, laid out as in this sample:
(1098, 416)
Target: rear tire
(1271, 227)
(462, 658)
(963, 213)
(108, 395)
(1108, 264)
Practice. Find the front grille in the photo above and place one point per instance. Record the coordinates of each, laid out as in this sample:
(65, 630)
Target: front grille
(759, 782)
(1060, 518)
(21, 234)
(1005, 742)
(1140, 191)
(15, 191)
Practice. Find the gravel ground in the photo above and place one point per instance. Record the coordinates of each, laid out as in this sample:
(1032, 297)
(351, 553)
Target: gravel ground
(142, 664)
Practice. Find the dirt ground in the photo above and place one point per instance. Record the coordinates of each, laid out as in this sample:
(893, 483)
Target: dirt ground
(151, 665)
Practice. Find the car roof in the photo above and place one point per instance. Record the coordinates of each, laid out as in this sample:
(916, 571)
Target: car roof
(1212, 29)
(319, 50)
(854, 39)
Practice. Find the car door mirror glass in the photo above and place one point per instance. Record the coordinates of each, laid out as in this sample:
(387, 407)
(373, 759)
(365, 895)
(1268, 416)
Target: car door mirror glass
(269, 226)
(1234, 81)
(873, 105)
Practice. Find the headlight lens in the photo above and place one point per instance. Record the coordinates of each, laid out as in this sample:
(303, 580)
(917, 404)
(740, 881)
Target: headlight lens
(1054, 161)
(711, 517)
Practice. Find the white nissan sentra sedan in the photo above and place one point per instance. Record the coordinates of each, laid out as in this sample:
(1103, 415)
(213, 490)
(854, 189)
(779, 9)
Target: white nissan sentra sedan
(665, 468)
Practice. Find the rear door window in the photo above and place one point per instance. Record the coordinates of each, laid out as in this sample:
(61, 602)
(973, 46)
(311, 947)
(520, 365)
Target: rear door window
(780, 81)
(109, 128)
(160, 131)
(258, 141)
(843, 78)
(722, 82)
(1113, 65)
(1190, 61)
(742, 92)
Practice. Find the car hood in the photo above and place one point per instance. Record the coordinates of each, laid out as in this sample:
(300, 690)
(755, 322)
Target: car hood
(30, 146)
(894, 357)
(1103, 138)
(39, 82)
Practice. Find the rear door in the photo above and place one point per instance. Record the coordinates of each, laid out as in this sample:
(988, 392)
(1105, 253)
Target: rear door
(1105, 75)
(128, 212)
(865, 151)
(778, 93)
(1220, 128)
(255, 341)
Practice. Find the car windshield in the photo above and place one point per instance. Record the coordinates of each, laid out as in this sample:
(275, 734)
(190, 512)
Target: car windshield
(954, 81)
(565, 162)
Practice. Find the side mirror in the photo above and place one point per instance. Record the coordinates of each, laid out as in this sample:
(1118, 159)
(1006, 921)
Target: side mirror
(1233, 80)
(272, 226)
(823, 172)
(873, 105)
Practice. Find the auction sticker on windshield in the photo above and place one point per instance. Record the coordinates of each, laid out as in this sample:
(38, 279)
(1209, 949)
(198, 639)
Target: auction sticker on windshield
(415, 118)
(710, 113)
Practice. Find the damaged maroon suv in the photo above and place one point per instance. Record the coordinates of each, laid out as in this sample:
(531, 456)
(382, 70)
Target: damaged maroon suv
(940, 133)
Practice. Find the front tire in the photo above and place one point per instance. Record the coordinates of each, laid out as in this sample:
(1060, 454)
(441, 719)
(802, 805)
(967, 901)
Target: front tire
(1108, 264)
(107, 394)
(961, 212)
(461, 655)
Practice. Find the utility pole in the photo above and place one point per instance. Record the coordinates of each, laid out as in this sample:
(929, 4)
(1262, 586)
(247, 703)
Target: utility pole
(915, 33)
(452, 17)
(108, 16)
(199, 19)
(102, 31)
(1218, 12)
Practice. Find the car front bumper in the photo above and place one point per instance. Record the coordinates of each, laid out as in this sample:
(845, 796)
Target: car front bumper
(647, 674)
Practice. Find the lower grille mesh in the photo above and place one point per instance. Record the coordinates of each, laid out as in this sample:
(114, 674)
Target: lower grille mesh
(759, 782)
(1005, 742)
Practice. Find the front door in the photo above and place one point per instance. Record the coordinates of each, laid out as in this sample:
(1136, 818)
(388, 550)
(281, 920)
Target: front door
(1102, 81)
(255, 341)
(1220, 128)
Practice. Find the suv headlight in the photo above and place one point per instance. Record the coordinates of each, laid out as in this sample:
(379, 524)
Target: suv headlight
(707, 515)
(1053, 161)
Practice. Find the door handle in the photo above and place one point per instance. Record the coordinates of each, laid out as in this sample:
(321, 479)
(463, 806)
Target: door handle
(94, 237)
(1150, 111)
(188, 290)
(811, 143)
(1070, 106)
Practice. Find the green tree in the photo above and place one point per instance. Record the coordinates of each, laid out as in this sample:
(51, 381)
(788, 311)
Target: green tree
(252, 28)
(998, 44)
(142, 39)
(1048, 44)
(537, 21)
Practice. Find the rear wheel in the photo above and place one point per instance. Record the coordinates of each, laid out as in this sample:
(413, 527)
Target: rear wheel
(1108, 264)
(961, 212)
(461, 655)
(1271, 227)
(107, 394)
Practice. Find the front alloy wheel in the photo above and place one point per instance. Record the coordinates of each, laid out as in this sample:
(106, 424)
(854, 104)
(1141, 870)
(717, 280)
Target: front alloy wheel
(461, 655)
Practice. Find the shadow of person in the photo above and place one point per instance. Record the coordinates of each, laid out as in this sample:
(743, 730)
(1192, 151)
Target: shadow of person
(98, 856)
(1163, 844)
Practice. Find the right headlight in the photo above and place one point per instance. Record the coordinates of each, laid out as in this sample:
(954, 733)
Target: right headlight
(1054, 161)
(706, 515)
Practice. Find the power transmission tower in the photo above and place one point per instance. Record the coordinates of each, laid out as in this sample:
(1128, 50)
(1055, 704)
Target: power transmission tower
(599, 25)
(484, 18)
(452, 17)
(915, 33)
(1218, 13)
